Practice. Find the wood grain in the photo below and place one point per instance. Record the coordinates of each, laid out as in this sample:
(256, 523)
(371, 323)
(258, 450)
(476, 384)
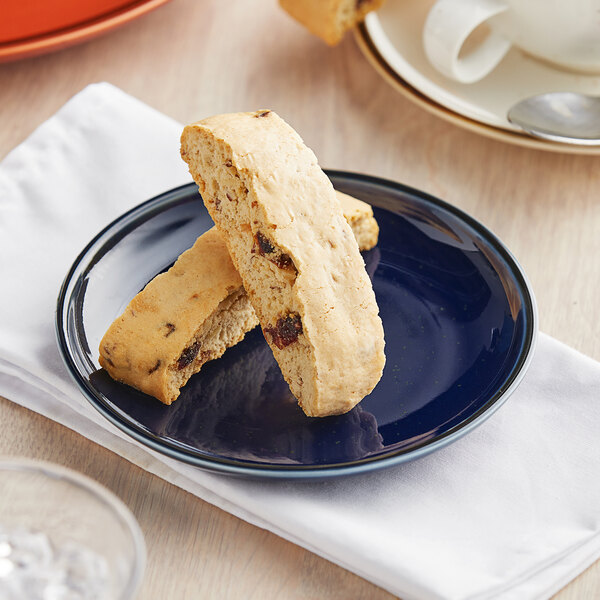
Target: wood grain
(194, 58)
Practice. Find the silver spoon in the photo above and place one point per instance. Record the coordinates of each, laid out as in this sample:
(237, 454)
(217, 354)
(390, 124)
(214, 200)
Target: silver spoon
(560, 116)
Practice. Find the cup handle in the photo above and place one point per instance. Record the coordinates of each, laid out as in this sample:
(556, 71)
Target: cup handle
(448, 24)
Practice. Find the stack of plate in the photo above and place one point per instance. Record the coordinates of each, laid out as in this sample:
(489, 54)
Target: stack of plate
(392, 41)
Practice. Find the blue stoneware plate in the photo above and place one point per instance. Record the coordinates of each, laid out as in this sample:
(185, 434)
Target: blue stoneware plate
(459, 319)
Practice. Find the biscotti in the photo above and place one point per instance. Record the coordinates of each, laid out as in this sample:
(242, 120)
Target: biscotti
(296, 255)
(359, 215)
(193, 313)
(329, 19)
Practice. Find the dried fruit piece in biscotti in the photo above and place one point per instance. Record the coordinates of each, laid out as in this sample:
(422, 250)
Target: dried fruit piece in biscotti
(329, 19)
(181, 319)
(192, 313)
(295, 253)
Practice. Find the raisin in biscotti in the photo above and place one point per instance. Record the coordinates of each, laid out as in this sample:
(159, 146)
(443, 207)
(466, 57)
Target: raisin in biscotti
(296, 255)
(192, 313)
(329, 19)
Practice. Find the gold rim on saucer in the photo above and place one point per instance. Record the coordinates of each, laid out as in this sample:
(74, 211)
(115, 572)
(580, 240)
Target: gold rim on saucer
(370, 51)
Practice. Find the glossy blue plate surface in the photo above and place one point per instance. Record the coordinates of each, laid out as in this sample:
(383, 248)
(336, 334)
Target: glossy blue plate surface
(459, 319)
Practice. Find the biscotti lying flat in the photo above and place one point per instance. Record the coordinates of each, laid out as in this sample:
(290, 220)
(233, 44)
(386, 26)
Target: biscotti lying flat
(193, 313)
(296, 255)
(329, 19)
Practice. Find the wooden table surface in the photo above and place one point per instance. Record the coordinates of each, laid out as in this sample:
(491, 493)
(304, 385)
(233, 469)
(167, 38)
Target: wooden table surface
(194, 58)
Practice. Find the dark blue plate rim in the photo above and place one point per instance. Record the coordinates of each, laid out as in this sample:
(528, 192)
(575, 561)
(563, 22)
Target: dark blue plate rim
(129, 220)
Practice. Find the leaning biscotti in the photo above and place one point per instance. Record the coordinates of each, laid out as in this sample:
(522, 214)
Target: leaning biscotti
(296, 255)
(329, 19)
(192, 313)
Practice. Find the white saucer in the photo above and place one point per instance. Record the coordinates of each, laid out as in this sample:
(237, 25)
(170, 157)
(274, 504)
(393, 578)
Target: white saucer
(391, 40)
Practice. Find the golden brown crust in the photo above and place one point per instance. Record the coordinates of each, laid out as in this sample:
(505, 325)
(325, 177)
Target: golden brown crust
(295, 252)
(329, 19)
(164, 335)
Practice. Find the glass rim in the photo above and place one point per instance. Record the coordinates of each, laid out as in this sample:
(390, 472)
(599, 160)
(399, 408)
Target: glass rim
(102, 494)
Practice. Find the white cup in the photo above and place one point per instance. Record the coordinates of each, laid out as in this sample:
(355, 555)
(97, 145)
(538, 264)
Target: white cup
(563, 32)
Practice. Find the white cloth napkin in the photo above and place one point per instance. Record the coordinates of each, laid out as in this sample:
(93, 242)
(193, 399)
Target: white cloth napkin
(511, 510)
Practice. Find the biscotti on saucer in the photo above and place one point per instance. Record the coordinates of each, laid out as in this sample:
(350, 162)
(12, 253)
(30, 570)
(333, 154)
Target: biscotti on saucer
(192, 313)
(329, 19)
(298, 260)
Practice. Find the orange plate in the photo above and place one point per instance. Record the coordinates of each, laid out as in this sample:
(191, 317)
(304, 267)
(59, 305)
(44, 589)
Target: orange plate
(38, 26)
